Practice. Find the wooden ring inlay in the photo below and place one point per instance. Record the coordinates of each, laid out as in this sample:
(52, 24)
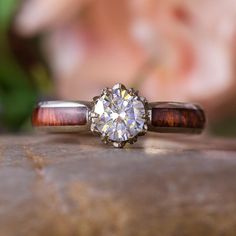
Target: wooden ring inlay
(59, 116)
(177, 116)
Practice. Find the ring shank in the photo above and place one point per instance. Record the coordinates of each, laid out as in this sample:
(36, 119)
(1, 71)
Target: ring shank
(172, 117)
(165, 117)
(61, 116)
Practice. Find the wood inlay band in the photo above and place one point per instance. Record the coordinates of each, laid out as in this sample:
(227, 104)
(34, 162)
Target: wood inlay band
(174, 116)
(59, 116)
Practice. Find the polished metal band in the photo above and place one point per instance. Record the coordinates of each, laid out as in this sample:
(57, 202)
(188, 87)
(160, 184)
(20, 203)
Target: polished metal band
(167, 117)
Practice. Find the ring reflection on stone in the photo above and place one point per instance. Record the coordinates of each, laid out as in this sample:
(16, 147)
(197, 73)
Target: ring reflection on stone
(119, 115)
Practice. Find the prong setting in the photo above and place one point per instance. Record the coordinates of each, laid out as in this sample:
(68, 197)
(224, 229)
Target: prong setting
(118, 144)
(119, 115)
(93, 115)
(105, 91)
(104, 139)
(133, 140)
(95, 98)
(133, 92)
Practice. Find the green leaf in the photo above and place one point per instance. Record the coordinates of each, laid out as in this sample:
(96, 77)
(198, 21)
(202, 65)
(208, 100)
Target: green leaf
(7, 8)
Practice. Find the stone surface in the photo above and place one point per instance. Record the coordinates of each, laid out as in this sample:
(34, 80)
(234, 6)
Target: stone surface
(73, 185)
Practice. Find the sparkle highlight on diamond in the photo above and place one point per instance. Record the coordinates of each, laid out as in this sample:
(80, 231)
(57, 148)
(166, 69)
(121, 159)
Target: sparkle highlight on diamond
(119, 115)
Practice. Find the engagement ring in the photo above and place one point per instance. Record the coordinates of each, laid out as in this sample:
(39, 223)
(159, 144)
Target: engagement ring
(119, 115)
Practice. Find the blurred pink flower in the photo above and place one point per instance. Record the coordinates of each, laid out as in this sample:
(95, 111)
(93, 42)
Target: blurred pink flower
(168, 49)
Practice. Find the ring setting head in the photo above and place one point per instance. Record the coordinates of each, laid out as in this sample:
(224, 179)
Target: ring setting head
(119, 115)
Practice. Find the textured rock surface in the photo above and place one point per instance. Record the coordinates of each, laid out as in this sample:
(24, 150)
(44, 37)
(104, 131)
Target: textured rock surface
(71, 185)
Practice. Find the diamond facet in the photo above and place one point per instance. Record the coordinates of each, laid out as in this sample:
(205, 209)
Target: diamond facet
(119, 115)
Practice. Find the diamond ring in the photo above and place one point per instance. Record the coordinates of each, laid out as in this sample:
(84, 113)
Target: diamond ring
(119, 115)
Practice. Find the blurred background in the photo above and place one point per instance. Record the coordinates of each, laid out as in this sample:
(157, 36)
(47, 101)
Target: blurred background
(178, 50)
